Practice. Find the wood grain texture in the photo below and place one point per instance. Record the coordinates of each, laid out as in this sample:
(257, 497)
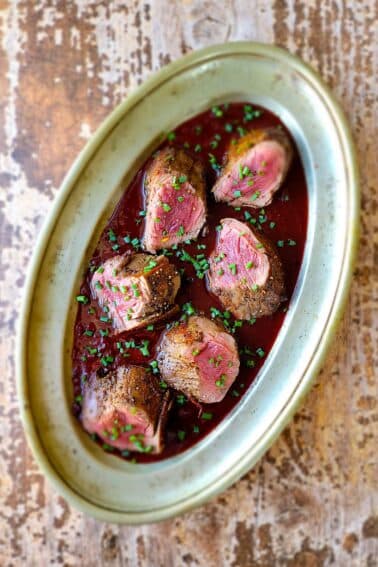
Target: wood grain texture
(312, 500)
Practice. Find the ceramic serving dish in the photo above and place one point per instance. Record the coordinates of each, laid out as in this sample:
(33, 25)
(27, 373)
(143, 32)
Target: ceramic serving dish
(99, 483)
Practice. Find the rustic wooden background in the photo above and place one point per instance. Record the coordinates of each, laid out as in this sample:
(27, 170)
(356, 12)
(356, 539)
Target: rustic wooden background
(312, 500)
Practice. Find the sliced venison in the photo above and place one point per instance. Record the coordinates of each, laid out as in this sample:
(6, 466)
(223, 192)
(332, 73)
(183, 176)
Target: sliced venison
(126, 409)
(175, 199)
(245, 271)
(198, 358)
(136, 289)
(256, 168)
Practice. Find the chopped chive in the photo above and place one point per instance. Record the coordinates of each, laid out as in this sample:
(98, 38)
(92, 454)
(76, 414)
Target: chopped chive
(112, 236)
(105, 360)
(135, 290)
(171, 136)
(144, 348)
(82, 299)
(213, 161)
(181, 399)
(219, 258)
(255, 196)
(221, 381)
(166, 207)
(280, 243)
(115, 434)
(181, 435)
(250, 113)
(206, 415)
(91, 350)
(135, 242)
(188, 309)
(233, 269)
(218, 112)
(150, 266)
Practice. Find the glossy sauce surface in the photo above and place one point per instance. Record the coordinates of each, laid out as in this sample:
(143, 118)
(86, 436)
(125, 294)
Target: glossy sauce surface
(207, 136)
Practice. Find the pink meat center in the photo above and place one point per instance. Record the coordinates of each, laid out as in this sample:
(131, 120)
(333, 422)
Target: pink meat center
(240, 258)
(258, 172)
(216, 365)
(176, 213)
(126, 298)
(123, 430)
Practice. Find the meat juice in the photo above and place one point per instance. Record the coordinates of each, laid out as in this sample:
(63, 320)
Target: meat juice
(207, 137)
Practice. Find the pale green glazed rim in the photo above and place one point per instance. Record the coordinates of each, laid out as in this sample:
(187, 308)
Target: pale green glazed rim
(334, 316)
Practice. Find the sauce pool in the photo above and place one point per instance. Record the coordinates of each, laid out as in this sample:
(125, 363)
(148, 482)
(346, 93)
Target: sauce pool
(207, 136)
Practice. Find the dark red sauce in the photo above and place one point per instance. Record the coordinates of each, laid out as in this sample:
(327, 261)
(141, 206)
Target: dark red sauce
(284, 222)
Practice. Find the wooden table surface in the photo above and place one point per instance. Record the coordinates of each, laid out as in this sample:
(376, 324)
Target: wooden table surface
(312, 500)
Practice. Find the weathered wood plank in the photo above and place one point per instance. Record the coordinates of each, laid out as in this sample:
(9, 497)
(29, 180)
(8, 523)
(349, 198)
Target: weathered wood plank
(312, 499)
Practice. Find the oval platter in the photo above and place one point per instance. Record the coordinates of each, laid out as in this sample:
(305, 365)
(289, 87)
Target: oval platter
(90, 479)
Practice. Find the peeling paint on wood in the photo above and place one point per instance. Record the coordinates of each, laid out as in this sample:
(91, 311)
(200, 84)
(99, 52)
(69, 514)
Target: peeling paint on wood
(312, 500)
